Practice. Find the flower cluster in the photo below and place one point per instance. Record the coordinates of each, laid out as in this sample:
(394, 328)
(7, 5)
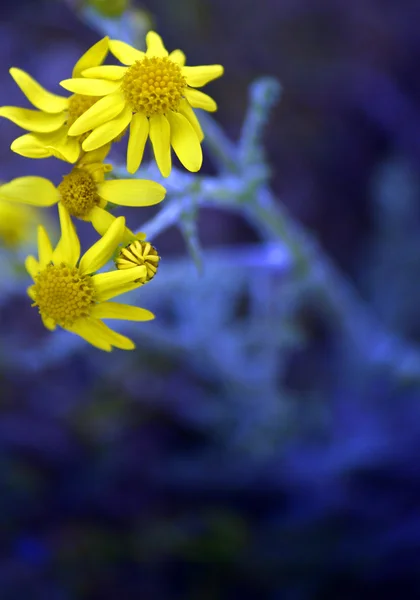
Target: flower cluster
(153, 95)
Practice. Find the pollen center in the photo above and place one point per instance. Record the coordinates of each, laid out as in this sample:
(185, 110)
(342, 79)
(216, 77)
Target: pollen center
(63, 294)
(154, 86)
(79, 104)
(78, 192)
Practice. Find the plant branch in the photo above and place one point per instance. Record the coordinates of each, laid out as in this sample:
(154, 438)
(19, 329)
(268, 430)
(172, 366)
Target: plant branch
(243, 187)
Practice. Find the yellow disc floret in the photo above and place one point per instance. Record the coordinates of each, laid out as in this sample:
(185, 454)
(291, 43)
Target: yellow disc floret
(63, 294)
(153, 86)
(139, 253)
(78, 192)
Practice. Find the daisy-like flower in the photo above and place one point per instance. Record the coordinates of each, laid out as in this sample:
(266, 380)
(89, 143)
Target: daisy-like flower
(84, 193)
(17, 224)
(49, 124)
(68, 294)
(155, 94)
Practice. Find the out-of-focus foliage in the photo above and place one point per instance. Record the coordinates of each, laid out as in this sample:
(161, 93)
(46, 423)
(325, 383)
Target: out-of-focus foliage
(394, 251)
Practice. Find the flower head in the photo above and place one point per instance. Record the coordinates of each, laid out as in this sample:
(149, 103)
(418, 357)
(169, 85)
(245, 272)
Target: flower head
(17, 224)
(155, 94)
(68, 294)
(139, 252)
(109, 8)
(84, 193)
(49, 124)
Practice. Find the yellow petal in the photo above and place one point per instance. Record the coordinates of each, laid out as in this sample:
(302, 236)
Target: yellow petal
(108, 131)
(68, 247)
(198, 76)
(160, 136)
(36, 94)
(90, 87)
(111, 72)
(33, 120)
(115, 310)
(42, 145)
(125, 53)
(102, 220)
(28, 146)
(155, 45)
(92, 57)
(114, 338)
(32, 266)
(100, 253)
(132, 192)
(30, 190)
(178, 57)
(198, 99)
(62, 146)
(45, 250)
(31, 292)
(108, 285)
(129, 287)
(91, 331)
(102, 111)
(186, 110)
(139, 132)
(185, 142)
(48, 323)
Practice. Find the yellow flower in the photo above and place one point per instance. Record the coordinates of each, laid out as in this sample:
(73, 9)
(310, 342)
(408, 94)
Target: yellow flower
(68, 293)
(49, 125)
(155, 93)
(84, 193)
(139, 253)
(109, 8)
(17, 224)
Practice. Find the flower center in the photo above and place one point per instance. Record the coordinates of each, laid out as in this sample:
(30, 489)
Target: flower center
(79, 104)
(78, 192)
(153, 86)
(63, 294)
(139, 253)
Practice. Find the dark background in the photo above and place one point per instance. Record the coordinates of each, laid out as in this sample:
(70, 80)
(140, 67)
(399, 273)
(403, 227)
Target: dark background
(129, 475)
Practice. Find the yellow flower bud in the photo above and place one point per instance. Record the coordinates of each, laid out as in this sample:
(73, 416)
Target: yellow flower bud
(109, 8)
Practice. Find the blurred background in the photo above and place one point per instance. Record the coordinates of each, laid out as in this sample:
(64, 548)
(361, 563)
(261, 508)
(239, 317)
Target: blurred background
(248, 448)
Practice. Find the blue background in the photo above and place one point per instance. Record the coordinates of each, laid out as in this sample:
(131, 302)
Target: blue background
(188, 468)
